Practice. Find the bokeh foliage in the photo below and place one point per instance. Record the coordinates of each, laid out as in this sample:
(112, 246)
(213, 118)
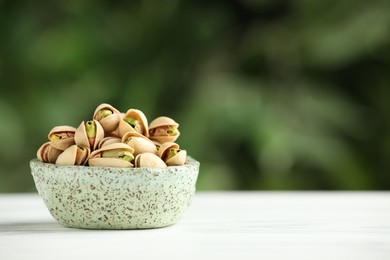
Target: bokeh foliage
(269, 94)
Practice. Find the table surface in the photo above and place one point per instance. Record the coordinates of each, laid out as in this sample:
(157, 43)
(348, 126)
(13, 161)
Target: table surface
(218, 225)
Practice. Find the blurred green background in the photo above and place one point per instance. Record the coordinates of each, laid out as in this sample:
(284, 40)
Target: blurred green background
(269, 94)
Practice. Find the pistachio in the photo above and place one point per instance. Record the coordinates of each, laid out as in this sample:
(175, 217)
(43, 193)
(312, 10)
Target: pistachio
(89, 134)
(112, 155)
(107, 116)
(133, 120)
(163, 129)
(61, 137)
(171, 154)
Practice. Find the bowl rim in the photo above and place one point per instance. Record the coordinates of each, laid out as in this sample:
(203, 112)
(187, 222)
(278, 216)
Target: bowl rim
(190, 162)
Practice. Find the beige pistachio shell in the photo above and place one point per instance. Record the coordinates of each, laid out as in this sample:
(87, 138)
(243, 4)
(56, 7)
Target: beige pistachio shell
(109, 162)
(81, 137)
(149, 160)
(108, 140)
(96, 158)
(62, 137)
(47, 153)
(124, 128)
(163, 121)
(140, 117)
(74, 155)
(140, 143)
(109, 123)
(178, 159)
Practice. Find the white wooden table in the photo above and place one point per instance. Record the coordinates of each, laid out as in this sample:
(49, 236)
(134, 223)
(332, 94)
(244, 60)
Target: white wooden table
(228, 225)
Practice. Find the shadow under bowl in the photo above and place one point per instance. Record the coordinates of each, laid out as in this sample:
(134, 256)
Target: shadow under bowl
(115, 198)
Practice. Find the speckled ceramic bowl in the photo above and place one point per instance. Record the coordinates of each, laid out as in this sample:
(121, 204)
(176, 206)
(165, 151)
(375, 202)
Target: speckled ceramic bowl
(115, 198)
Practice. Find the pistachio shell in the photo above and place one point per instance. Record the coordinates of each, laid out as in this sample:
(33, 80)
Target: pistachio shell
(74, 155)
(109, 123)
(140, 143)
(109, 162)
(149, 160)
(177, 159)
(47, 153)
(163, 121)
(66, 139)
(96, 158)
(82, 139)
(108, 140)
(124, 127)
(140, 117)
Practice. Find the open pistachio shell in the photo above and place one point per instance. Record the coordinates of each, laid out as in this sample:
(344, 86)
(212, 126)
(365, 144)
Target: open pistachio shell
(108, 140)
(163, 129)
(140, 143)
(89, 138)
(138, 122)
(108, 117)
(112, 155)
(149, 160)
(74, 155)
(171, 154)
(124, 127)
(47, 153)
(62, 137)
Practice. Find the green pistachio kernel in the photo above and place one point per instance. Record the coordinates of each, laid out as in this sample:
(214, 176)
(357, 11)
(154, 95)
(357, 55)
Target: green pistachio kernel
(171, 153)
(131, 121)
(103, 113)
(172, 131)
(91, 129)
(127, 156)
(55, 138)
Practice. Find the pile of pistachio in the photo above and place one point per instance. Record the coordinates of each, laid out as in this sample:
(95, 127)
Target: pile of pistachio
(115, 139)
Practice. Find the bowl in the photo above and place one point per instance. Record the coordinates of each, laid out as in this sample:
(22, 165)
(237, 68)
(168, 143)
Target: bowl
(115, 198)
